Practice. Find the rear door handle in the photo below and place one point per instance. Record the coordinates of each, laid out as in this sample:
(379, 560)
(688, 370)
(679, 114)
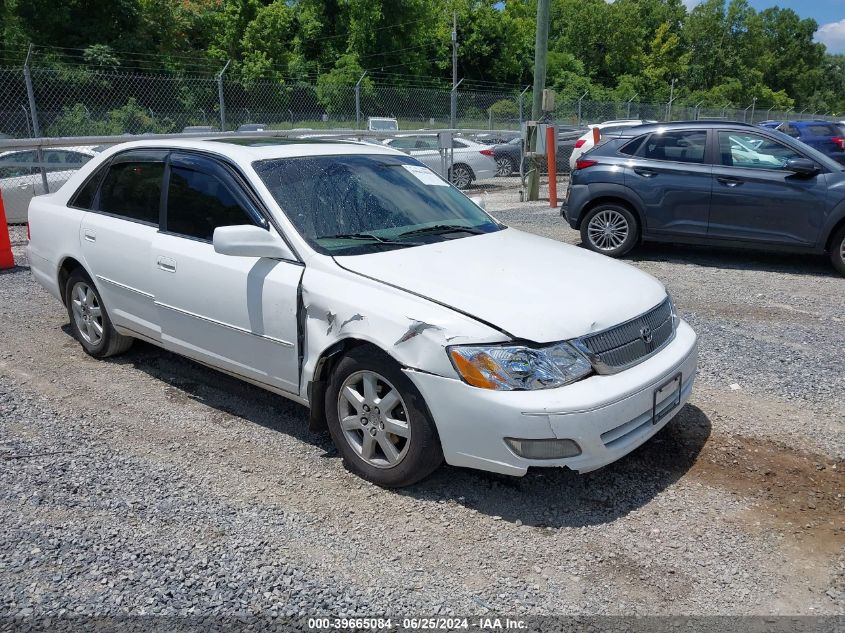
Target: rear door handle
(730, 182)
(647, 173)
(90, 236)
(166, 264)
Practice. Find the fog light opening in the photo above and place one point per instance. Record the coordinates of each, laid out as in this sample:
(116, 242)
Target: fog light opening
(543, 449)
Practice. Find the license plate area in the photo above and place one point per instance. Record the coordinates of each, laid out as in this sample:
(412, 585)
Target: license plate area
(666, 397)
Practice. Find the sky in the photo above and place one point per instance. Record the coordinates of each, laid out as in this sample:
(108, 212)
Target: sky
(830, 14)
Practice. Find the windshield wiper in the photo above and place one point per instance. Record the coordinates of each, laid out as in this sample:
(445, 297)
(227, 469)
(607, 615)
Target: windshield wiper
(369, 237)
(443, 228)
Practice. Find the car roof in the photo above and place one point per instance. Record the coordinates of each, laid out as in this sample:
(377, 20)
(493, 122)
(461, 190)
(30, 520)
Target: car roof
(702, 124)
(251, 148)
(79, 149)
(804, 122)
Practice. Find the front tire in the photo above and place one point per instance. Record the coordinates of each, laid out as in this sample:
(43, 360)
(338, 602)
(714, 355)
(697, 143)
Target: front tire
(837, 251)
(379, 421)
(610, 229)
(89, 319)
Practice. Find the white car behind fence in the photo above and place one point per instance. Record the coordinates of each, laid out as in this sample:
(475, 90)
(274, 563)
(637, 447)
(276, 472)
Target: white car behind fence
(471, 161)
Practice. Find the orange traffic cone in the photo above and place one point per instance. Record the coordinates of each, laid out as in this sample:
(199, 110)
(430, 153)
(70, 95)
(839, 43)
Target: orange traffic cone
(7, 260)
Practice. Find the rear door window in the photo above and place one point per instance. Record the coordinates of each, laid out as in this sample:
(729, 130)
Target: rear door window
(131, 188)
(684, 146)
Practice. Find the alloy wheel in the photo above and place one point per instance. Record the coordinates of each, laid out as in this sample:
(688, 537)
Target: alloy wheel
(461, 177)
(87, 313)
(374, 419)
(608, 230)
(504, 167)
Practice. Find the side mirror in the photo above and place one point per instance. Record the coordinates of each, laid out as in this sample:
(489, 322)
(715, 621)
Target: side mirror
(479, 202)
(246, 240)
(802, 166)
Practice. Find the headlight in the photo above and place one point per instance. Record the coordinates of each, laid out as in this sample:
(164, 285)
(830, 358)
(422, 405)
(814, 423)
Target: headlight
(675, 318)
(510, 367)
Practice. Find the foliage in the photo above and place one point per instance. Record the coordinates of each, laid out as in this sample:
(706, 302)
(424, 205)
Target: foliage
(720, 51)
(504, 109)
(129, 118)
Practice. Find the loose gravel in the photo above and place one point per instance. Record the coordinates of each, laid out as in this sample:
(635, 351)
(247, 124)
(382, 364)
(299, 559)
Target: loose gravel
(148, 484)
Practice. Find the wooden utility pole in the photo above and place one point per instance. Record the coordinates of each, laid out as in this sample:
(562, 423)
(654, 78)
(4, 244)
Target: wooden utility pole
(541, 49)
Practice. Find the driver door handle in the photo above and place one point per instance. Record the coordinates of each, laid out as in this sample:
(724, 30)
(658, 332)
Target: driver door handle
(166, 264)
(729, 182)
(643, 171)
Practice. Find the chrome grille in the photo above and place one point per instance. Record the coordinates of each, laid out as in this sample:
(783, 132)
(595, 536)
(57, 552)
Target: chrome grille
(629, 343)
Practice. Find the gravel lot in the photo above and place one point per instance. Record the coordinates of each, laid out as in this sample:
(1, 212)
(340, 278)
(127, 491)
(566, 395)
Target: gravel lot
(148, 484)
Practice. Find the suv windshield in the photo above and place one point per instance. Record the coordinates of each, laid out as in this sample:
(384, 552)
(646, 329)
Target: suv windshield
(348, 205)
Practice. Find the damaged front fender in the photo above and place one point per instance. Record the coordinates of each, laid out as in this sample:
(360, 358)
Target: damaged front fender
(414, 331)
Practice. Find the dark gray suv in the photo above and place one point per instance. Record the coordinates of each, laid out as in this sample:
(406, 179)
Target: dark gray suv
(712, 182)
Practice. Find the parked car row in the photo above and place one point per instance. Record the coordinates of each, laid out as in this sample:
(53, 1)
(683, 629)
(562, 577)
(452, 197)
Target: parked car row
(728, 184)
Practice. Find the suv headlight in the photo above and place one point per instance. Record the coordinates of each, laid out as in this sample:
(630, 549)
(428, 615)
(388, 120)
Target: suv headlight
(518, 367)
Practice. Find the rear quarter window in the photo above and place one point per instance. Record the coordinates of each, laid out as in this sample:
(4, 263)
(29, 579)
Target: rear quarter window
(84, 196)
(631, 148)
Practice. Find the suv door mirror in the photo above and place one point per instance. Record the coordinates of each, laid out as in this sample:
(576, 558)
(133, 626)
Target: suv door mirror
(247, 240)
(802, 166)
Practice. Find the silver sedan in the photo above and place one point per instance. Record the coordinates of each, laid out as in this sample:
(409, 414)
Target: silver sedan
(472, 161)
(20, 175)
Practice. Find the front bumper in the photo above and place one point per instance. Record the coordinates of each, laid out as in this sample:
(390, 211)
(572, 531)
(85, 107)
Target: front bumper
(608, 416)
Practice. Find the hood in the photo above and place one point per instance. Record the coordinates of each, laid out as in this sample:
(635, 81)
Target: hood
(531, 287)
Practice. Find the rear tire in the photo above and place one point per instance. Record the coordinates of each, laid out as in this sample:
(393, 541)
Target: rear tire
(837, 251)
(505, 166)
(89, 319)
(461, 175)
(379, 421)
(610, 229)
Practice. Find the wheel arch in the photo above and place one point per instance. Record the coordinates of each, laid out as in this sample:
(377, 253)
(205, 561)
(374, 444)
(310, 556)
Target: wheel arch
(67, 265)
(834, 231)
(326, 362)
(614, 199)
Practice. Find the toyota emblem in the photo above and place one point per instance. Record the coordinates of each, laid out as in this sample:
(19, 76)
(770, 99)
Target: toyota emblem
(646, 335)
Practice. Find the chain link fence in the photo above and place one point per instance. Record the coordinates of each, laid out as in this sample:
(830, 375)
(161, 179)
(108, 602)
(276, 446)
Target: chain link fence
(78, 101)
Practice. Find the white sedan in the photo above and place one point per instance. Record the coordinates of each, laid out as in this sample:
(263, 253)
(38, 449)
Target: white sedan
(471, 161)
(585, 142)
(352, 279)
